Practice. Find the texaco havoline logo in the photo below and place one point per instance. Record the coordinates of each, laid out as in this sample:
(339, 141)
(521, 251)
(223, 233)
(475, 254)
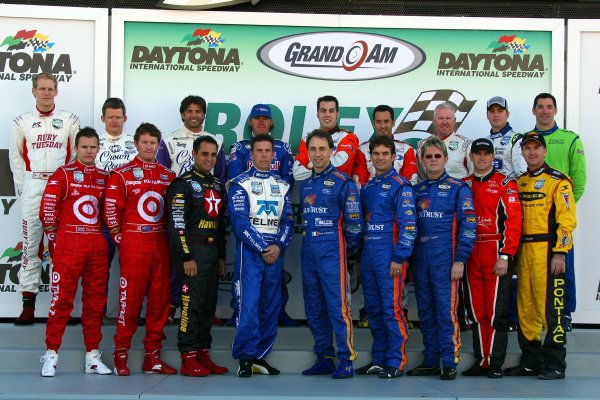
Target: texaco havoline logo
(86, 209)
(150, 206)
(212, 202)
(123, 283)
(55, 277)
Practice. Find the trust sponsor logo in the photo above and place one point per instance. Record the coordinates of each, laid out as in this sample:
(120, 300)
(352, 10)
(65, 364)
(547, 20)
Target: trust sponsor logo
(202, 50)
(341, 56)
(509, 56)
(29, 52)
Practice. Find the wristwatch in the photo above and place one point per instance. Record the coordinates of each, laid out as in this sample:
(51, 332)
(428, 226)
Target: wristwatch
(504, 257)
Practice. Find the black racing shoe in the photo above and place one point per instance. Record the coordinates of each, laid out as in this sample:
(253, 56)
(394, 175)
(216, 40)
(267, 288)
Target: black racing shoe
(551, 375)
(520, 370)
(363, 318)
(475, 370)
(390, 372)
(448, 374)
(263, 367)
(245, 369)
(424, 370)
(369, 369)
(495, 373)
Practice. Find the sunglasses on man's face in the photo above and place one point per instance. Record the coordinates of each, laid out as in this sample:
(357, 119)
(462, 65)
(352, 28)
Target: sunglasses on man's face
(437, 155)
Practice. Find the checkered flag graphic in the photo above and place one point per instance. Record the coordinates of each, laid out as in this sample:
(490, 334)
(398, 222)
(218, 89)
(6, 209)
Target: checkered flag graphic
(420, 114)
(213, 41)
(37, 44)
(517, 47)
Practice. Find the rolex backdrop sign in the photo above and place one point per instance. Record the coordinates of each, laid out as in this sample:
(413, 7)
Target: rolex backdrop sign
(65, 43)
(236, 66)
(411, 64)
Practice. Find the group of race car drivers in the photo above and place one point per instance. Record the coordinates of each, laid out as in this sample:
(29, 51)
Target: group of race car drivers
(460, 211)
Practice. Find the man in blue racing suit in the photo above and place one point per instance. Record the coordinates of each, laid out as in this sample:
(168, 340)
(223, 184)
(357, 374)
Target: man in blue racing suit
(240, 160)
(263, 223)
(388, 204)
(332, 221)
(445, 237)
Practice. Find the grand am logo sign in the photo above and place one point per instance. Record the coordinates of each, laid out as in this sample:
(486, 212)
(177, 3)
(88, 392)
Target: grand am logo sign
(341, 56)
(509, 58)
(28, 52)
(213, 57)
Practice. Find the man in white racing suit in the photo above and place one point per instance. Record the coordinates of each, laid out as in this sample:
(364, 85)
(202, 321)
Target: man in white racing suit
(42, 140)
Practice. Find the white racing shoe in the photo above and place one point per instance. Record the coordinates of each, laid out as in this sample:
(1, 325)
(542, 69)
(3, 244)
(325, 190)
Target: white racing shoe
(94, 364)
(49, 360)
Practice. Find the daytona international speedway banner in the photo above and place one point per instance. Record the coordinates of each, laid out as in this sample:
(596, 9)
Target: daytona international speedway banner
(72, 44)
(235, 60)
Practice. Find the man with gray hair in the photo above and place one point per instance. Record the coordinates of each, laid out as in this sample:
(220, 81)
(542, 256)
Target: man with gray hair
(444, 119)
(446, 225)
(42, 140)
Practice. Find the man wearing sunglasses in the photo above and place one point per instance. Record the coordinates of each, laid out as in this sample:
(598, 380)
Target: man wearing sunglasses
(445, 235)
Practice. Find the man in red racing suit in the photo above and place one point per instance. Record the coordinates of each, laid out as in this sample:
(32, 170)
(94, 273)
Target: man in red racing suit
(135, 216)
(488, 283)
(71, 216)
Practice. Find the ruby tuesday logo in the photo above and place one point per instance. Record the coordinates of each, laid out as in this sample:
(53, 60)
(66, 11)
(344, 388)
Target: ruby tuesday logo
(343, 56)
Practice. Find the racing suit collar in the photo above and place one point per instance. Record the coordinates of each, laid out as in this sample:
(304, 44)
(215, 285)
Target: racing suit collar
(322, 173)
(208, 176)
(548, 132)
(485, 177)
(259, 174)
(193, 134)
(86, 168)
(537, 171)
(380, 177)
(441, 177)
(501, 132)
(139, 161)
(46, 113)
(112, 138)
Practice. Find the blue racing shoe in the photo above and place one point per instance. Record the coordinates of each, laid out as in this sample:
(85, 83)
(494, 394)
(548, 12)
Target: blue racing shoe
(323, 366)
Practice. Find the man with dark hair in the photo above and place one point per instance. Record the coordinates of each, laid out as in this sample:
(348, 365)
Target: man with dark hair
(549, 218)
(332, 220)
(42, 141)
(196, 202)
(137, 222)
(240, 160)
(507, 158)
(175, 152)
(405, 162)
(388, 202)
(116, 149)
(488, 283)
(263, 223)
(345, 142)
(565, 153)
(175, 149)
(71, 215)
(445, 235)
